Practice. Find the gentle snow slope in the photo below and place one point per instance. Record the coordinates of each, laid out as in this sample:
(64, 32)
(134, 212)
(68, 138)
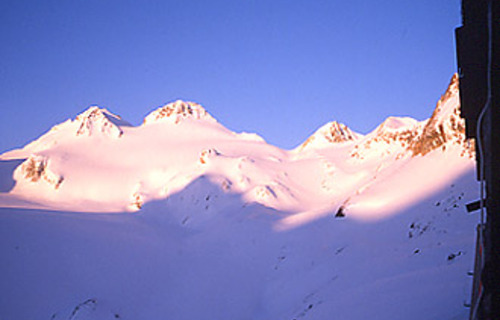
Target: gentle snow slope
(180, 218)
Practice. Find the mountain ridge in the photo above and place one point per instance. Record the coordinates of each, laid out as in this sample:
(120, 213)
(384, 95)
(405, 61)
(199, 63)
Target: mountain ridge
(181, 141)
(444, 123)
(176, 217)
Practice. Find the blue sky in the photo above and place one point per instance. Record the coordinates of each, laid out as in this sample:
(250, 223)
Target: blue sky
(278, 68)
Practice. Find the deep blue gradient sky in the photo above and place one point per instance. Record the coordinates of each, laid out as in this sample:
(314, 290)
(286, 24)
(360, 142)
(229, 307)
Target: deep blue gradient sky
(278, 68)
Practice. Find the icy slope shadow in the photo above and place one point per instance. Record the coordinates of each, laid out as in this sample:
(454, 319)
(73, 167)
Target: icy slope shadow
(7, 168)
(147, 265)
(229, 262)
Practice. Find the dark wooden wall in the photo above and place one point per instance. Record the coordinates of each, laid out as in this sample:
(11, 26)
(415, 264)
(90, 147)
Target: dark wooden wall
(478, 75)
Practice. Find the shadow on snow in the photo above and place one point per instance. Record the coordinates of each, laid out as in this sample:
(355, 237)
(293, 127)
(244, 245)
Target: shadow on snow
(207, 253)
(7, 168)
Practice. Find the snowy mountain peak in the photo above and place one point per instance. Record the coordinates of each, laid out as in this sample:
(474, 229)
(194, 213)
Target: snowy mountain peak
(178, 111)
(332, 132)
(389, 139)
(396, 124)
(445, 123)
(99, 120)
(404, 136)
(338, 132)
(400, 130)
(452, 87)
(215, 205)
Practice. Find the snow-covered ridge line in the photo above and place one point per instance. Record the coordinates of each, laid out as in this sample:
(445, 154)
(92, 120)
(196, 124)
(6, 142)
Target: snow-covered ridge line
(162, 220)
(105, 160)
(421, 137)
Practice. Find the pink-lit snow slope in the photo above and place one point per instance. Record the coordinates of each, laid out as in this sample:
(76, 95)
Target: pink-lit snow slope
(181, 218)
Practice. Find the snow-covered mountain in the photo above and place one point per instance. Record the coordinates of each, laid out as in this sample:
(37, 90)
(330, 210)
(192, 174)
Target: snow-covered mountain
(181, 218)
(445, 124)
(177, 111)
(329, 134)
(99, 121)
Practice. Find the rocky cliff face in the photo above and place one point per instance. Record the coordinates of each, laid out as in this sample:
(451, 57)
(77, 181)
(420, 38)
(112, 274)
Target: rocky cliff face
(445, 124)
(150, 161)
(36, 168)
(392, 137)
(403, 136)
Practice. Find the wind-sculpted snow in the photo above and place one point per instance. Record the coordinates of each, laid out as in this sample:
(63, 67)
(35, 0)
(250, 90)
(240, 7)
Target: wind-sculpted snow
(181, 218)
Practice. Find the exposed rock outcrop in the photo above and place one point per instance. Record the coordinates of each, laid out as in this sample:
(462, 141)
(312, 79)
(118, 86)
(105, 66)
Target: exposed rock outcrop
(207, 154)
(445, 124)
(331, 133)
(99, 121)
(35, 169)
(178, 111)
